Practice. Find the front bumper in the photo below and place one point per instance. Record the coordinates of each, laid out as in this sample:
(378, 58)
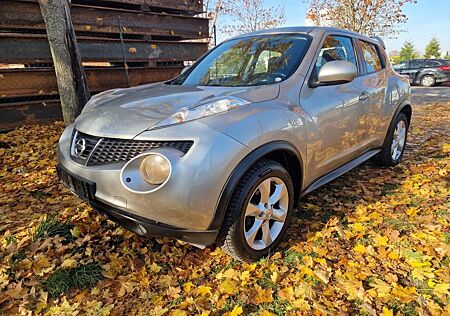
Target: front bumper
(85, 189)
(186, 205)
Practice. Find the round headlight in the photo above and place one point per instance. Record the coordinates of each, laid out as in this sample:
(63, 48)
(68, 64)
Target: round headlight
(155, 169)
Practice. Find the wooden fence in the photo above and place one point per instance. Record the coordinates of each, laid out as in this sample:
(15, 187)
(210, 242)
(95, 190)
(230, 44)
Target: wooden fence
(159, 37)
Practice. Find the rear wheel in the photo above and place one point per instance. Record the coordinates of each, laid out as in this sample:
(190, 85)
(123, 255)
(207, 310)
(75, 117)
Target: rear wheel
(395, 142)
(259, 212)
(427, 81)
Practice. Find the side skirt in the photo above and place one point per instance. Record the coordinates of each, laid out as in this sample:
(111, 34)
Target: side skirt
(340, 171)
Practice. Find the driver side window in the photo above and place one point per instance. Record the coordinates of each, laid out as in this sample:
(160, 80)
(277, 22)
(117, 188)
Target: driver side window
(336, 48)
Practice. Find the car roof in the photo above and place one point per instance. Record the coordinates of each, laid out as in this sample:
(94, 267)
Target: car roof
(313, 30)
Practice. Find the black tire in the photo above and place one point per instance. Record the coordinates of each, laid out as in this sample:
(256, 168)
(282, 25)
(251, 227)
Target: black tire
(427, 81)
(384, 158)
(231, 236)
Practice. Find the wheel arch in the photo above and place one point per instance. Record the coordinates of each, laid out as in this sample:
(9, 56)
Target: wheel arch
(407, 110)
(404, 107)
(281, 151)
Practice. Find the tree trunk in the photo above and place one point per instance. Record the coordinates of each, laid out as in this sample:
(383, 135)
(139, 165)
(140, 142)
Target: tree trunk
(72, 84)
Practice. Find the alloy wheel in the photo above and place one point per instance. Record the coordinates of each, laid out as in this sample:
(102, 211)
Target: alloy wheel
(266, 213)
(427, 81)
(398, 140)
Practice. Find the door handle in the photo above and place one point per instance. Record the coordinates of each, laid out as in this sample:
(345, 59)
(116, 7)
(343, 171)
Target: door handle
(364, 95)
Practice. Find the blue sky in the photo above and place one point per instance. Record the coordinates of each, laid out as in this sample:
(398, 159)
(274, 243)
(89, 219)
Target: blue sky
(427, 18)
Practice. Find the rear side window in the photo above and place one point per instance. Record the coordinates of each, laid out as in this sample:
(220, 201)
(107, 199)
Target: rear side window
(417, 63)
(371, 57)
(336, 48)
(432, 63)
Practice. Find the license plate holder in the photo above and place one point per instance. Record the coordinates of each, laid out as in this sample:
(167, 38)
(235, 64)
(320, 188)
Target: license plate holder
(81, 187)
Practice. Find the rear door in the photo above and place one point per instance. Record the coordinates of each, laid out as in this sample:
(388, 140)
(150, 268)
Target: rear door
(434, 68)
(375, 80)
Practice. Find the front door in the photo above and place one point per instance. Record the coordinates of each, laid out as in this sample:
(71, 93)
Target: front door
(334, 111)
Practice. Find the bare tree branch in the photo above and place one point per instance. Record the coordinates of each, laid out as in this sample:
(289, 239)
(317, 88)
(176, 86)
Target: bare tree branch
(371, 17)
(251, 15)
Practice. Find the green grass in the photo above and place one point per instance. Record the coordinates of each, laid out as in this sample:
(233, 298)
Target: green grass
(10, 239)
(388, 188)
(18, 256)
(39, 194)
(64, 280)
(177, 301)
(266, 281)
(447, 238)
(14, 264)
(400, 224)
(278, 307)
(366, 240)
(230, 303)
(291, 257)
(51, 227)
(407, 309)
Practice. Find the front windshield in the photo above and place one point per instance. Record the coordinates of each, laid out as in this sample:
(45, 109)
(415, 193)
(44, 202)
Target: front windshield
(248, 61)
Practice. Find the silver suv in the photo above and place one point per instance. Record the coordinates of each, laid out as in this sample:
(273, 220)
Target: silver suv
(223, 153)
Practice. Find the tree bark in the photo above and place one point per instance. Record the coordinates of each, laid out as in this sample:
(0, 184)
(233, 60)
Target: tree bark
(72, 83)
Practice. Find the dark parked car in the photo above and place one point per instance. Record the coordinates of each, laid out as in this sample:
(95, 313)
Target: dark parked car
(426, 72)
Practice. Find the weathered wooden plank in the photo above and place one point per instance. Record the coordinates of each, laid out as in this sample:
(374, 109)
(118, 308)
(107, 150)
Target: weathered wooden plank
(190, 7)
(35, 49)
(16, 83)
(27, 16)
(29, 112)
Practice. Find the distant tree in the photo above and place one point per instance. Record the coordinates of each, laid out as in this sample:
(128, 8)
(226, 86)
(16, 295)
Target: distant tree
(251, 15)
(407, 52)
(433, 49)
(395, 59)
(371, 17)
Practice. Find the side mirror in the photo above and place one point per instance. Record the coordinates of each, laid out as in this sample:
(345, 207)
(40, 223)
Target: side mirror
(337, 71)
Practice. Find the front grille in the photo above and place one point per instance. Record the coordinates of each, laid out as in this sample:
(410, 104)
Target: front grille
(76, 152)
(103, 151)
(119, 150)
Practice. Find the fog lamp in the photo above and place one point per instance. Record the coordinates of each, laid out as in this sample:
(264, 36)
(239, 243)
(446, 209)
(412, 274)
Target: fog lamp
(155, 169)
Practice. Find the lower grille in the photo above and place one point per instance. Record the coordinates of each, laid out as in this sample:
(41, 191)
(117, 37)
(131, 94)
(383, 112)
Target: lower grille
(102, 151)
(83, 189)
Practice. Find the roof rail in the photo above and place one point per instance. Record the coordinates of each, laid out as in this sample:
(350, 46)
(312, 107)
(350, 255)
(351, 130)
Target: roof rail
(379, 39)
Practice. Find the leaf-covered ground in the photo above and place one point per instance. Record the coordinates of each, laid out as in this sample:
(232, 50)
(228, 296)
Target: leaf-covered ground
(376, 241)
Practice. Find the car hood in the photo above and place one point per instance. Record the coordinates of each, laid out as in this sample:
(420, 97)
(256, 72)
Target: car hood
(125, 113)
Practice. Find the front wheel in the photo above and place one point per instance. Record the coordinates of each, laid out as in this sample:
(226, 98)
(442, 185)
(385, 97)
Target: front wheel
(394, 145)
(259, 212)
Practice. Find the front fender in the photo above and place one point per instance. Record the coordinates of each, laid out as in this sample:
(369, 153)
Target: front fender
(240, 171)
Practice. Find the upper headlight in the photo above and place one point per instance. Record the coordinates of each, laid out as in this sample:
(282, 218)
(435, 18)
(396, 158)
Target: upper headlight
(216, 106)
